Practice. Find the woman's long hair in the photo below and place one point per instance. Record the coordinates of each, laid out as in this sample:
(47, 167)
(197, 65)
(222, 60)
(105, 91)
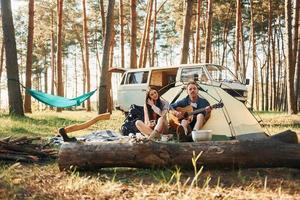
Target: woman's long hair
(151, 114)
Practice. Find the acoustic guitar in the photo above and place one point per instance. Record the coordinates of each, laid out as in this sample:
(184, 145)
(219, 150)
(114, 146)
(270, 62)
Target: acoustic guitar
(187, 112)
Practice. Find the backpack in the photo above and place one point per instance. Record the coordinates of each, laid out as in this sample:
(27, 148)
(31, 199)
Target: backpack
(135, 113)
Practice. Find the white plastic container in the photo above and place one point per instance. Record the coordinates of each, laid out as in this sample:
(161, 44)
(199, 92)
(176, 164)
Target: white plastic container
(201, 135)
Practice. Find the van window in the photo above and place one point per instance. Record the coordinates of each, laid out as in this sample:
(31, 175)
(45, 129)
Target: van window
(137, 77)
(221, 74)
(189, 74)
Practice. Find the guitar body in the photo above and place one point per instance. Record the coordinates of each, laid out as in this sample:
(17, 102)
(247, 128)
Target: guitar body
(188, 111)
(174, 122)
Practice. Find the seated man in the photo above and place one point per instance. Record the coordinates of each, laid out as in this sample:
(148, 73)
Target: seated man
(194, 122)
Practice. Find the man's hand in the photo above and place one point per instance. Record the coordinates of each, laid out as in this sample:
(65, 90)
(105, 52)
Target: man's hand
(179, 115)
(207, 109)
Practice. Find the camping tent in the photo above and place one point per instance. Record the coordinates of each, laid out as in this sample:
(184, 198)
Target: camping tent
(233, 120)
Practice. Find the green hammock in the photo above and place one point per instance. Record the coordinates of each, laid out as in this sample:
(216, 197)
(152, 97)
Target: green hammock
(58, 101)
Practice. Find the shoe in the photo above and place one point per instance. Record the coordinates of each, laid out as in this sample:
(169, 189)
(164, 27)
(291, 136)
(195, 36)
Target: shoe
(181, 134)
(155, 135)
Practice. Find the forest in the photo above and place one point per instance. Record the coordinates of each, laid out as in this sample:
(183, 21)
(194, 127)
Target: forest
(66, 47)
(66, 50)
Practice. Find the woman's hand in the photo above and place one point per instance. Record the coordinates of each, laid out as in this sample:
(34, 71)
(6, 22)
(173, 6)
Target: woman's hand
(151, 124)
(150, 102)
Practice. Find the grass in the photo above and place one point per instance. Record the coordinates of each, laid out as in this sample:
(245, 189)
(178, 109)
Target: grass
(45, 181)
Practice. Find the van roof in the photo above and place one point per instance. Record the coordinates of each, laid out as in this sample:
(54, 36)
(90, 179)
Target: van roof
(115, 69)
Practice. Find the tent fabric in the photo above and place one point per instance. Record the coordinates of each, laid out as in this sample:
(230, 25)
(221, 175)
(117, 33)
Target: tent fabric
(233, 120)
(58, 101)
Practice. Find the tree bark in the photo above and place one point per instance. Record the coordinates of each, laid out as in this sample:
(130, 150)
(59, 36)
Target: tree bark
(237, 38)
(1, 66)
(198, 42)
(102, 17)
(86, 54)
(153, 53)
(104, 80)
(268, 55)
(297, 53)
(186, 32)
(52, 56)
(144, 53)
(278, 151)
(1, 61)
(12, 69)
(122, 34)
(292, 109)
(208, 32)
(27, 101)
(274, 99)
(133, 57)
(60, 87)
(254, 62)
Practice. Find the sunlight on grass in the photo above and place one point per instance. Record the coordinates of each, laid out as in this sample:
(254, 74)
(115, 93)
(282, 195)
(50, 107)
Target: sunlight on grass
(46, 181)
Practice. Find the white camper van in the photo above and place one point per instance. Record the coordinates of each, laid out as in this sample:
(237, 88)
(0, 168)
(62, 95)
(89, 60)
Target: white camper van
(135, 82)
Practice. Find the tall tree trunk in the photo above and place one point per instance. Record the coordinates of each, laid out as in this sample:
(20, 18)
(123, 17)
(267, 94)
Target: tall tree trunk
(198, 41)
(244, 66)
(297, 53)
(154, 35)
(52, 56)
(278, 95)
(60, 87)
(262, 87)
(274, 73)
(12, 69)
(254, 61)
(268, 55)
(122, 34)
(104, 80)
(283, 89)
(86, 54)
(83, 69)
(45, 74)
(102, 13)
(292, 109)
(208, 31)
(1, 66)
(1, 59)
(111, 61)
(186, 32)
(298, 76)
(237, 37)
(133, 57)
(27, 102)
(143, 40)
(76, 72)
(146, 47)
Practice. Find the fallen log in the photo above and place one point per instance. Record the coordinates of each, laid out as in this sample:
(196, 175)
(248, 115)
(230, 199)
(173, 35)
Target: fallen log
(270, 152)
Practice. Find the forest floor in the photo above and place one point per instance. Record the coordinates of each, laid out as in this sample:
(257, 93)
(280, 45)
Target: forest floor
(45, 181)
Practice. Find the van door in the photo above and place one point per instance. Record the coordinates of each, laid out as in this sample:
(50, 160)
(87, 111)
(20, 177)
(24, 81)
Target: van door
(132, 90)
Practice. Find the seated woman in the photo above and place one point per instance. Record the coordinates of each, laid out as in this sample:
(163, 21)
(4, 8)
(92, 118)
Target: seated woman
(155, 110)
